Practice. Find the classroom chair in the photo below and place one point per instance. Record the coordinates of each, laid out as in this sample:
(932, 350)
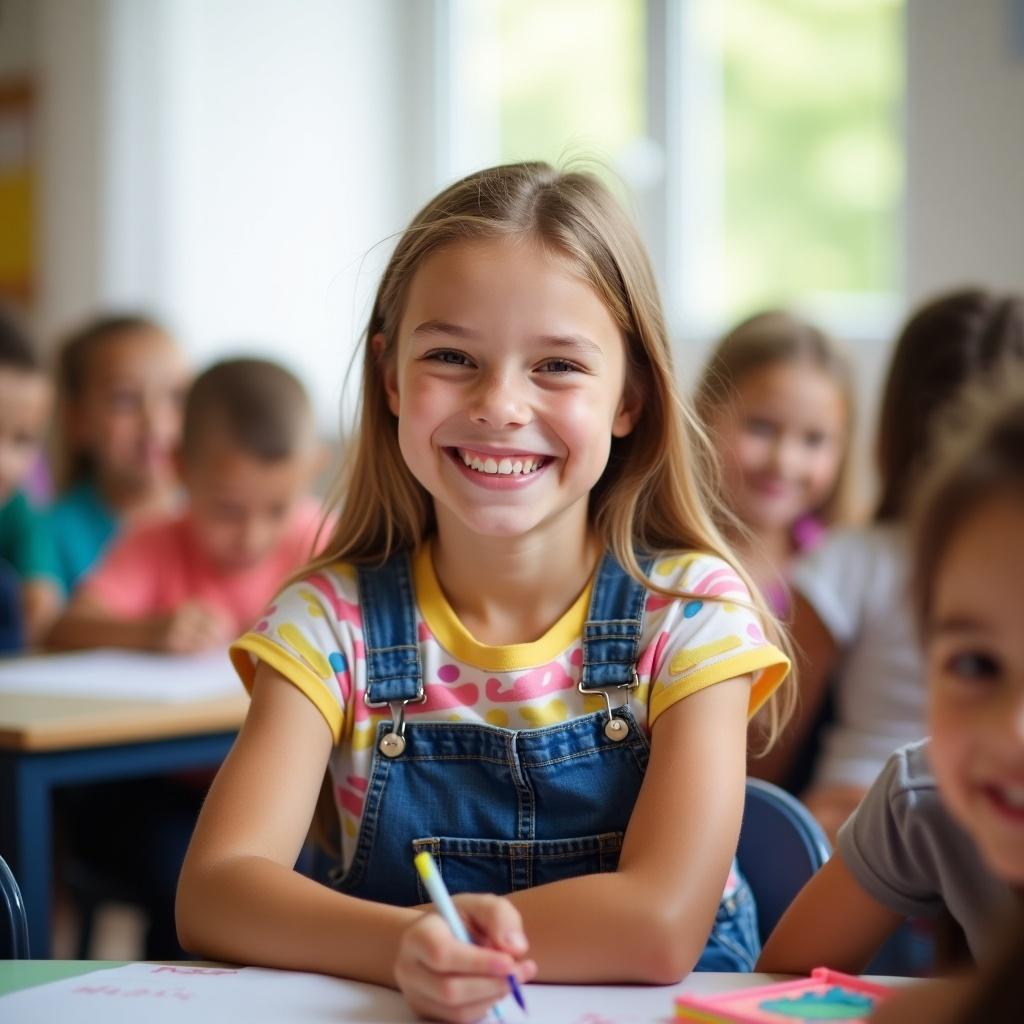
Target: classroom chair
(14, 938)
(780, 848)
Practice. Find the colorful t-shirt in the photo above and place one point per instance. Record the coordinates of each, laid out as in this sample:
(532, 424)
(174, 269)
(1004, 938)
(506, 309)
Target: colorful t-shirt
(153, 569)
(83, 525)
(312, 634)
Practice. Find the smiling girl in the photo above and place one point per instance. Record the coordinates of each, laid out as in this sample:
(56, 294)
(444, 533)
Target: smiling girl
(525, 650)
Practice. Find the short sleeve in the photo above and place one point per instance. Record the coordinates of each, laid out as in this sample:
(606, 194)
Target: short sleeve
(887, 842)
(312, 635)
(711, 635)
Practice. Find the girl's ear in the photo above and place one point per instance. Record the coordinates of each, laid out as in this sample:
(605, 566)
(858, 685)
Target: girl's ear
(628, 413)
(387, 371)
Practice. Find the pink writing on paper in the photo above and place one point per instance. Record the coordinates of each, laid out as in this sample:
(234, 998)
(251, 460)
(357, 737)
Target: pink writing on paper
(132, 993)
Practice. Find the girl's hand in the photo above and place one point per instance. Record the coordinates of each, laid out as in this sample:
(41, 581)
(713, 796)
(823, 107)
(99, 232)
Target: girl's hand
(192, 627)
(444, 979)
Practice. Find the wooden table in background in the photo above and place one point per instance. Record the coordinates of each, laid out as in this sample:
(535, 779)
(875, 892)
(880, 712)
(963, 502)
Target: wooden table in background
(49, 741)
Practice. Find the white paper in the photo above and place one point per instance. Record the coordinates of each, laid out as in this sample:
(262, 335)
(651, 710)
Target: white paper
(180, 994)
(130, 675)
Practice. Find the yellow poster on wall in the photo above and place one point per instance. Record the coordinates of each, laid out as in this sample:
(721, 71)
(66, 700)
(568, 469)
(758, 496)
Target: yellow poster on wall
(17, 182)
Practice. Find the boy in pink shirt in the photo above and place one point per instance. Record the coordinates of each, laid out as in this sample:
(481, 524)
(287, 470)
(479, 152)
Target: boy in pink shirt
(196, 580)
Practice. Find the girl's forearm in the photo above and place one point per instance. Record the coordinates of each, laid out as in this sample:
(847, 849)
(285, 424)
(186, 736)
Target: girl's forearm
(77, 631)
(610, 928)
(295, 923)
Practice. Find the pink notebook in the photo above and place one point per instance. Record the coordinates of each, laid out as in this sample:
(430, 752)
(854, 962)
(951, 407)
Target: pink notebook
(825, 995)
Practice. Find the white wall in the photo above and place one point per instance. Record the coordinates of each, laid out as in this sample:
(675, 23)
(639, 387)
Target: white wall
(965, 156)
(227, 165)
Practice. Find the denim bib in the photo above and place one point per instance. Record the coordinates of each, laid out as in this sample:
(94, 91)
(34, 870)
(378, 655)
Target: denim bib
(505, 809)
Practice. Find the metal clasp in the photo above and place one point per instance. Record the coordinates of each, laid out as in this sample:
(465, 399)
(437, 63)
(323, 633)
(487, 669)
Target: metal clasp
(392, 744)
(615, 729)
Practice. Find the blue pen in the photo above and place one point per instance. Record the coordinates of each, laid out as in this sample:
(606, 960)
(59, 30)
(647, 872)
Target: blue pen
(443, 904)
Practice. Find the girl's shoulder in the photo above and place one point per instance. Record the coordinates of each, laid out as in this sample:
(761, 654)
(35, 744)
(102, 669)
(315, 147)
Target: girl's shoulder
(697, 572)
(322, 588)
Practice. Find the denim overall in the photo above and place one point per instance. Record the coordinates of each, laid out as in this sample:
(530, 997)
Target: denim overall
(504, 809)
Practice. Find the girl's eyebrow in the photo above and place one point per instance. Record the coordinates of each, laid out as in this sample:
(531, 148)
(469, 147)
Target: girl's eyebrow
(444, 327)
(957, 624)
(578, 342)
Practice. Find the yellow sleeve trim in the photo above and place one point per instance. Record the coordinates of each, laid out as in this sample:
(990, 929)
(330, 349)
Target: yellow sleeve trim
(255, 645)
(769, 661)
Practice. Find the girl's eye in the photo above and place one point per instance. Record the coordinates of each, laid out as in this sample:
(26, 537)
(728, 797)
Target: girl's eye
(973, 665)
(449, 357)
(558, 366)
(761, 427)
(814, 439)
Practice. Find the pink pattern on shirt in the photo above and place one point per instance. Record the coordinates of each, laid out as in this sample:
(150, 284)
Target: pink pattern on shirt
(344, 611)
(539, 682)
(650, 661)
(719, 582)
(441, 698)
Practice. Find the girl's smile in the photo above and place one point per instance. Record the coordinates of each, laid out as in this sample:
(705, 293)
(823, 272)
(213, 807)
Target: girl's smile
(508, 385)
(975, 652)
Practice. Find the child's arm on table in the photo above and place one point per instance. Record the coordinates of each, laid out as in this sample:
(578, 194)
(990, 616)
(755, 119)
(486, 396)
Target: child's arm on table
(41, 600)
(649, 920)
(192, 627)
(239, 898)
(816, 657)
(832, 922)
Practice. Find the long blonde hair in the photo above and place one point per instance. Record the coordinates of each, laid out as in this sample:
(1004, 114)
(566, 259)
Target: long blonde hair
(657, 492)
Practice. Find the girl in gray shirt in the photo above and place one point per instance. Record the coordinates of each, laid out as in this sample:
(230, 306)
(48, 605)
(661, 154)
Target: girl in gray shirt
(943, 825)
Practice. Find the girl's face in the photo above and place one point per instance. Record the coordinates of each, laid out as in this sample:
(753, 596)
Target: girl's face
(782, 438)
(975, 659)
(128, 417)
(508, 387)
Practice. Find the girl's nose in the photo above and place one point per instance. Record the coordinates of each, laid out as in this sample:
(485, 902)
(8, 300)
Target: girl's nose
(500, 401)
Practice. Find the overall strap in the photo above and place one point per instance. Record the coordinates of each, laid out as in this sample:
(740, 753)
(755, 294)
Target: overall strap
(393, 669)
(611, 634)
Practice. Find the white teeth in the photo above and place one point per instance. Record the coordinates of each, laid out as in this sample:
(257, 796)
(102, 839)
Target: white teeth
(1014, 796)
(502, 467)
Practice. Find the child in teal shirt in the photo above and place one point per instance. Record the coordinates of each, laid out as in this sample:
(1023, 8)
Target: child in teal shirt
(121, 382)
(31, 596)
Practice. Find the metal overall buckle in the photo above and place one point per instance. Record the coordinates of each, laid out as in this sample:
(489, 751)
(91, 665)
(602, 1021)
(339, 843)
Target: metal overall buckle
(392, 744)
(615, 729)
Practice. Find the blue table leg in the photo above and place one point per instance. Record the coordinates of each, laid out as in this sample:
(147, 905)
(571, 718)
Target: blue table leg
(27, 782)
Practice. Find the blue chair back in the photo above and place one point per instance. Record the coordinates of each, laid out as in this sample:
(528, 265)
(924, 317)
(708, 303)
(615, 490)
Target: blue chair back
(780, 848)
(13, 938)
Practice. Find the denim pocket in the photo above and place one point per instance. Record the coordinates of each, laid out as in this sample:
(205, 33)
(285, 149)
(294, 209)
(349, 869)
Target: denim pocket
(501, 866)
(734, 943)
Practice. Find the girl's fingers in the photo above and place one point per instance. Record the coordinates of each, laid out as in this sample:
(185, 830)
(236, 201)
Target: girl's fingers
(495, 922)
(439, 951)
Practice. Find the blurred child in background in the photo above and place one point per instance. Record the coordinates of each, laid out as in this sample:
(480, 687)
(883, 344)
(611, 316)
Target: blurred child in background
(942, 828)
(776, 397)
(850, 607)
(29, 591)
(121, 384)
(192, 581)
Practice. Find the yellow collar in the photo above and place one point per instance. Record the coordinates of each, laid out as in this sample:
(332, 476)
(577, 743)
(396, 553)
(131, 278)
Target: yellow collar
(453, 636)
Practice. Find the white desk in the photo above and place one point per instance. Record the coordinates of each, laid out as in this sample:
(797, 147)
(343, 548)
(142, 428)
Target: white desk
(147, 992)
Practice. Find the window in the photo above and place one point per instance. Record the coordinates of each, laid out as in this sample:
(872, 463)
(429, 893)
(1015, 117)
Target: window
(759, 141)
